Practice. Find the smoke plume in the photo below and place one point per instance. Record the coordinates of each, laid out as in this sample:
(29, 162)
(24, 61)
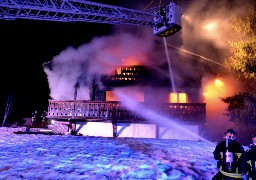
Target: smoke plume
(79, 66)
(205, 32)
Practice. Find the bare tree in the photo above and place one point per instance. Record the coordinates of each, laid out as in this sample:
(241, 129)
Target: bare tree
(8, 108)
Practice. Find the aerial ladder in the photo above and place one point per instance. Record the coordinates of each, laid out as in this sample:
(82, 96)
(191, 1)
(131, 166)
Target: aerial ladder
(165, 20)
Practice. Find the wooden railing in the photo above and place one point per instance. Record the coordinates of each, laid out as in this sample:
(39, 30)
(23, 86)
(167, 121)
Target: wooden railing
(110, 110)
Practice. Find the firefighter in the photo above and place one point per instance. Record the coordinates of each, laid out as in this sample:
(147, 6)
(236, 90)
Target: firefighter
(44, 119)
(34, 118)
(249, 161)
(228, 153)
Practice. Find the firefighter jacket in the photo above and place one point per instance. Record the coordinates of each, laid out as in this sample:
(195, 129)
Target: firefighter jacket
(220, 155)
(249, 162)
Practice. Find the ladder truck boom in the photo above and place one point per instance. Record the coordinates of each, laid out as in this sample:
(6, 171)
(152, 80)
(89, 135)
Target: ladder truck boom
(165, 21)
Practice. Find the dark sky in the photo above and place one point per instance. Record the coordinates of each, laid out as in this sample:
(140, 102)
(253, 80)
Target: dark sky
(25, 46)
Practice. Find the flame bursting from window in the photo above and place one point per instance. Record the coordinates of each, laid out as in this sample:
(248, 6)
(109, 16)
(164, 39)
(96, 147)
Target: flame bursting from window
(214, 90)
(126, 62)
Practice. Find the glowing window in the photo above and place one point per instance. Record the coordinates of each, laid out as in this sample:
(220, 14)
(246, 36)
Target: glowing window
(177, 97)
(182, 97)
(173, 98)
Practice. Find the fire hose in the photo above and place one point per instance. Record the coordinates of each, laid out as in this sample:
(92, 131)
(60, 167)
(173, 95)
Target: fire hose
(233, 175)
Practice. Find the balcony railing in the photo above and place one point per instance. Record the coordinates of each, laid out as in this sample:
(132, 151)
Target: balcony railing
(115, 111)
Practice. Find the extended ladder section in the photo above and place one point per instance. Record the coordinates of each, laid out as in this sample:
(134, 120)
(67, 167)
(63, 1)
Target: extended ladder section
(85, 11)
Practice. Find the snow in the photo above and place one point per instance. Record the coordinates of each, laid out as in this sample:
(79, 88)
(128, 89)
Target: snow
(38, 156)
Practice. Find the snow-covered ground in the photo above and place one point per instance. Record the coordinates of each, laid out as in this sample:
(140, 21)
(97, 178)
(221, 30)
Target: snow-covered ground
(66, 157)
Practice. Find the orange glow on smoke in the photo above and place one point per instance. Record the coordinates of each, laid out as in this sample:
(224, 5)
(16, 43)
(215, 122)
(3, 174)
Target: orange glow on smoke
(210, 27)
(186, 18)
(177, 97)
(110, 96)
(126, 62)
(130, 62)
(138, 96)
(213, 90)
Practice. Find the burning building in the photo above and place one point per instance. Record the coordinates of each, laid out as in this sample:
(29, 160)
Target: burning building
(106, 114)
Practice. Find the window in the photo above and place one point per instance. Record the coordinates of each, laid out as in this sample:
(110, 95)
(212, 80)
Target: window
(177, 97)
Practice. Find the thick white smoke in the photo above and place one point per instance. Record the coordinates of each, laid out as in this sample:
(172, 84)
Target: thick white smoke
(79, 66)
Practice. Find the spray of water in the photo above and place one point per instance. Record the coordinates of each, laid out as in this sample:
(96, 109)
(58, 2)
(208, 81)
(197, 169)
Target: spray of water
(155, 117)
(169, 66)
(197, 55)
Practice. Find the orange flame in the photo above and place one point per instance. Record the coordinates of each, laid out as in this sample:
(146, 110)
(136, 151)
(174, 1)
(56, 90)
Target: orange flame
(213, 90)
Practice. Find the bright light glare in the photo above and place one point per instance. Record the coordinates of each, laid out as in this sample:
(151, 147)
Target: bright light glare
(214, 90)
(186, 18)
(182, 97)
(210, 27)
(218, 83)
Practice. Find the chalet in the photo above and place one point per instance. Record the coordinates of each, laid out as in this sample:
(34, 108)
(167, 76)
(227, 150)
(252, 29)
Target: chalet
(168, 113)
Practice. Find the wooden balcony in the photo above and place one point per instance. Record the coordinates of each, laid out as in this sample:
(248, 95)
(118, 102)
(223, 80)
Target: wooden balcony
(115, 111)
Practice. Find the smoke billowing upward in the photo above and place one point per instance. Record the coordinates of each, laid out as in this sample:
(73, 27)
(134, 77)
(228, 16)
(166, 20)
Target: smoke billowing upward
(99, 57)
(206, 27)
(205, 32)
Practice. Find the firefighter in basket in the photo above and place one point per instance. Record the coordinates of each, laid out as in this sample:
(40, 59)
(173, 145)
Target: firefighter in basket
(249, 161)
(229, 154)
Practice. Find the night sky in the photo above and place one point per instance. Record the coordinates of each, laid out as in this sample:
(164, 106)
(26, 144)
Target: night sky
(25, 46)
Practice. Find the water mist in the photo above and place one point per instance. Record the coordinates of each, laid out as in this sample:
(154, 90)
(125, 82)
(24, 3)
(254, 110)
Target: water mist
(155, 117)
